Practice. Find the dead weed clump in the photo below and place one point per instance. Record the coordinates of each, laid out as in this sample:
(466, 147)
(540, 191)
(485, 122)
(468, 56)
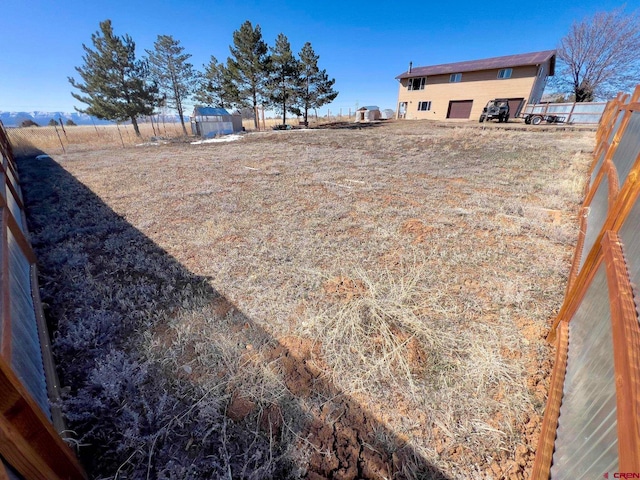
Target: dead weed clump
(376, 336)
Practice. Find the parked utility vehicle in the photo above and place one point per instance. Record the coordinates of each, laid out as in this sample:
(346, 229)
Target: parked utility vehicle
(497, 109)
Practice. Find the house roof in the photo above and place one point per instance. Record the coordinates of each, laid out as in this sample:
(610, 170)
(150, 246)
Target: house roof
(520, 60)
(369, 107)
(209, 111)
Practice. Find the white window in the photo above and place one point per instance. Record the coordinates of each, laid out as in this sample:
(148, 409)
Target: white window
(505, 73)
(424, 106)
(455, 78)
(416, 83)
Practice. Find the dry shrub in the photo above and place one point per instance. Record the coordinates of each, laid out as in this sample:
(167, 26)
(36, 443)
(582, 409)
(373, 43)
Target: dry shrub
(379, 335)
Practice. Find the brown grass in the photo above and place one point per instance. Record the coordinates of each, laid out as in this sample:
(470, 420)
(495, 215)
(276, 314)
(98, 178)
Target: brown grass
(55, 140)
(421, 266)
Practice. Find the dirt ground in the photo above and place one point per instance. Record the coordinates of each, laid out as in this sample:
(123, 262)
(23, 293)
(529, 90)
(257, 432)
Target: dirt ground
(358, 302)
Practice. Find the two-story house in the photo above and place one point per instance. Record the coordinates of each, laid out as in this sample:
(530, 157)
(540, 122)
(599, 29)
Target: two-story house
(461, 90)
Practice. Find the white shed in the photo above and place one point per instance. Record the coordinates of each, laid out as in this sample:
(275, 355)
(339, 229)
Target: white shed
(387, 114)
(207, 122)
(368, 114)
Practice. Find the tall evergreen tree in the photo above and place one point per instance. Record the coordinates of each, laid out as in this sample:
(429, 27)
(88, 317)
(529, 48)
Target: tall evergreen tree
(248, 67)
(175, 77)
(215, 87)
(284, 81)
(114, 85)
(316, 87)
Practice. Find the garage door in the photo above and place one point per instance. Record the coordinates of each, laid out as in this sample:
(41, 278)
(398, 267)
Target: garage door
(459, 108)
(514, 106)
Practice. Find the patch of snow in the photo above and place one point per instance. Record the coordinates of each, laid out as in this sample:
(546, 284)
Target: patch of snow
(226, 138)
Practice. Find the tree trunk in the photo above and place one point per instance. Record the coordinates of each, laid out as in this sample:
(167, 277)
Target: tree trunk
(256, 120)
(181, 114)
(284, 106)
(134, 122)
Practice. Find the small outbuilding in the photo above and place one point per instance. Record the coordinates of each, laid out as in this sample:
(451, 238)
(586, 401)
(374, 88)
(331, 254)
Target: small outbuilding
(207, 122)
(368, 114)
(387, 114)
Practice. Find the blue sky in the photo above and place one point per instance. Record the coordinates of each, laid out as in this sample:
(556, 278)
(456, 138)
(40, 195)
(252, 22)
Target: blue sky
(362, 44)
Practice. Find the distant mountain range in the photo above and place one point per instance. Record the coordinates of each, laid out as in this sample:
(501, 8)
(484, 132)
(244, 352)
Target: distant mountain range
(14, 119)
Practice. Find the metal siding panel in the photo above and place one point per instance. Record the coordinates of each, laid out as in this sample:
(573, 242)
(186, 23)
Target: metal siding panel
(592, 118)
(596, 169)
(628, 148)
(559, 108)
(13, 180)
(15, 209)
(596, 108)
(598, 209)
(586, 442)
(26, 356)
(616, 126)
(631, 244)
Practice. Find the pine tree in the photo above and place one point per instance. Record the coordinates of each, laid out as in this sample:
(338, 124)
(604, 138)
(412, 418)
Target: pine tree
(316, 89)
(215, 86)
(248, 67)
(114, 85)
(284, 81)
(174, 76)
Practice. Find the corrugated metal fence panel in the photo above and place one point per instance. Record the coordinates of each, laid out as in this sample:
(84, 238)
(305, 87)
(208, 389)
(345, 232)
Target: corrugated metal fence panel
(587, 441)
(597, 108)
(616, 127)
(559, 108)
(26, 354)
(628, 148)
(597, 167)
(13, 180)
(631, 240)
(586, 118)
(598, 209)
(14, 208)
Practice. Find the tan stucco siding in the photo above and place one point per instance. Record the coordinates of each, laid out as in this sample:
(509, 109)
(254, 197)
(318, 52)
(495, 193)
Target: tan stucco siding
(480, 87)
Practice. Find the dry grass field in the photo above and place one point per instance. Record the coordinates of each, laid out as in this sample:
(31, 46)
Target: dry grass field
(338, 303)
(54, 140)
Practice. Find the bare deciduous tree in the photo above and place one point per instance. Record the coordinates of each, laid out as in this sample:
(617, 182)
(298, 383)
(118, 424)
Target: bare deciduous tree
(600, 55)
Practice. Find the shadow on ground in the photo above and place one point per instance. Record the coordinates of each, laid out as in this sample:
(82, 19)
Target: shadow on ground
(112, 296)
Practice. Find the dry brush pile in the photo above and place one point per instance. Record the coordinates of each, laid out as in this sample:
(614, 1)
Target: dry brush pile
(346, 303)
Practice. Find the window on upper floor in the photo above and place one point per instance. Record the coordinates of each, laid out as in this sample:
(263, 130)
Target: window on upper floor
(424, 106)
(416, 83)
(455, 77)
(505, 73)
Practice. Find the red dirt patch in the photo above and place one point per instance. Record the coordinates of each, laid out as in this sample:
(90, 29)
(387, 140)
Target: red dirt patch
(344, 288)
(239, 408)
(417, 229)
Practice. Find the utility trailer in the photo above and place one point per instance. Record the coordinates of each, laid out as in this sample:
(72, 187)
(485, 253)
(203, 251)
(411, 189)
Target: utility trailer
(587, 113)
(537, 118)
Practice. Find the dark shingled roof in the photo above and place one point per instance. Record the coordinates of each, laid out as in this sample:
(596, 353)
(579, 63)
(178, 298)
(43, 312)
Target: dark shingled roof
(509, 61)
